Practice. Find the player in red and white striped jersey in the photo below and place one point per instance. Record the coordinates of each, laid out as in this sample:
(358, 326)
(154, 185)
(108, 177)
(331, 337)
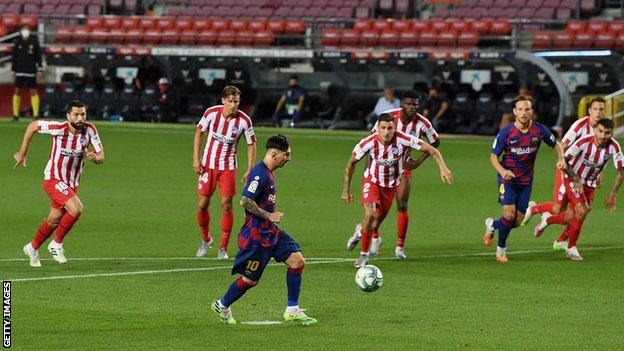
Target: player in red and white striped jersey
(586, 158)
(224, 125)
(579, 129)
(408, 121)
(386, 150)
(73, 141)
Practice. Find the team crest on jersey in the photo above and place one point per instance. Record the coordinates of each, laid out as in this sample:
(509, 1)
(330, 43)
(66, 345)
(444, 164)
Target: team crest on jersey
(234, 130)
(83, 141)
(394, 150)
(534, 139)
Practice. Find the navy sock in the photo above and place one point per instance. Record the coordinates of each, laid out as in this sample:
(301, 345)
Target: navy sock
(293, 284)
(503, 226)
(237, 289)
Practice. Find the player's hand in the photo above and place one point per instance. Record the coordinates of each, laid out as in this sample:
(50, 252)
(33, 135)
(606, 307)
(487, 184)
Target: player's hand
(90, 156)
(245, 177)
(276, 217)
(347, 197)
(197, 167)
(508, 175)
(577, 186)
(20, 159)
(609, 203)
(447, 176)
(561, 164)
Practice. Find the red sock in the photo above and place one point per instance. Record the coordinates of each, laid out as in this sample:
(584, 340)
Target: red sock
(543, 207)
(564, 234)
(376, 233)
(557, 219)
(366, 240)
(227, 221)
(65, 225)
(574, 231)
(43, 233)
(203, 219)
(402, 221)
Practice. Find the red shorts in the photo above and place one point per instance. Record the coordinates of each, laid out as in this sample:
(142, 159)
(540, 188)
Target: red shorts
(569, 195)
(207, 182)
(374, 193)
(58, 192)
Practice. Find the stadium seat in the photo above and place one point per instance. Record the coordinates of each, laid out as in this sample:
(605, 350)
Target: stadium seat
(152, 36)
(616, 27)
(447, 39)
(117, 36)
(50, 101)
(276, 26)
(220, 25)
(330, 37)
(562, 40)
(597, 26)
(10, 21)
(134, 36)
(440, 26)
(204, 37)
(349, 37)
(244, 38)
(619, 42)
(407, 39)
(542, 40)
(461, 113)
(583, 40)
(293, 27)
(64, 34)
(362, 24)
(484, 114)
(189, 37)
(99, 36)
(381, 25)
(563, 13)
(201, 24)
(576, 26)
(238, 24)
(257, 25)
(420, 25)
(225, 37)
(111, 22)
(147, 102)
(263, 38)
(460, 26)
(183, 23)
(68, 93)
(108, 100)
(129, 23)
(81, 34)
(94, 22)
(500, 27)
(428, 37)
(482, 26)
(401, 25)
(147, 23)
(468, 39)
(31, 9)
(90, 96)
(604, 40)
(170, 36)
(391, 38)
(29, 20)
(369, 37)
(127, 101)
(165, 23)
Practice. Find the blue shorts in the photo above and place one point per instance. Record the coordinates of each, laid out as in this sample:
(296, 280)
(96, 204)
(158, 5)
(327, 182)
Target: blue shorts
(251, 262)
(514, 194)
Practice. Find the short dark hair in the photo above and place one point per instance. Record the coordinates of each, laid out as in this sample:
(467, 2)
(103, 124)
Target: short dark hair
(410, 94)
(279, 142)
(385, 117)
(518, 98)
(230, 90)
(75, 103)
(607, 123)
(294, 76)
(596, 99)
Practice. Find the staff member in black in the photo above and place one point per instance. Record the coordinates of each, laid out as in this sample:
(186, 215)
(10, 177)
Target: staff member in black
(26, 66)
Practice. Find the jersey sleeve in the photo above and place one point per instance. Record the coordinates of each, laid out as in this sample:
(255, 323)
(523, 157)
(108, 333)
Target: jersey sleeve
(412, 142)
(547, 135)
(499, 142)
(94, 139)
(204, 122)
(362, 148)
(430, 133)
(250, 136)
(49, 127)
(573, 151)
(256, 181)
(571, 135)
(618, 157)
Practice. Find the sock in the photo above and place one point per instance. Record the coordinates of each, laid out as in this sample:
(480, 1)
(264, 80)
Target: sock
(203, 219)
(366, 240)
(564, 234)
(402, 221)
(227, 221)
(574, 231)
(293, 285)
(43, 233)
(376, 233)
(503, 225)
(34, 102)
(237, 289)
(543, 207)
(559, 218)
(65, 225)
(17, 102)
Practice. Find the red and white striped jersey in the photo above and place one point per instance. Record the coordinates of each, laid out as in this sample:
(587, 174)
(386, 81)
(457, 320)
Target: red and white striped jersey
(385, 162)
(223, 136)
(419, 126)
(68, 150)
(588, 160)
(579, 129)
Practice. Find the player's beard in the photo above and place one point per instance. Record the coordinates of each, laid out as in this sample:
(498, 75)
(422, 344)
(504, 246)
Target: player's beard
(77, 125)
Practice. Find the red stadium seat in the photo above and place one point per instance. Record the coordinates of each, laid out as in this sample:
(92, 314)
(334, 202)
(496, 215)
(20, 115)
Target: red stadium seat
(239, 25)
(500, 27)
(276, 26)
(468, 39)
(363, 24)
(562, 40)
(263, 38)
(447, 39)
(147, 23)
(30, 20)
(390, 38)
(64, 34)
(381, 25)
(10, 21)
(99, 35)
(369, 37)
(401, 25)
(130, 23)
(440, 26)
(597, 26)
(330, 37)
(226, 37)
(619, 42)
(428, 37)
(183, 23)
(294, 27)
(94, 22)
(616, 27)
(257, 26)
(117, 36)
(81, 34)
(189, 37)
(460, 26)
(170, 36)
(165, 23)
(220, 24)
(349, 37)
(604, 40)
(202, 24)
(244, 38)
(111, 22)
(583, 40)
(482, 26)
(576, 26)
(421, 25)
(542, 40)
(152, 36)
(134, 36)
(408, 38)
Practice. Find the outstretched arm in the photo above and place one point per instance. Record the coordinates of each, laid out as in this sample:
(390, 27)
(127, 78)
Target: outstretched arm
(20, 156)
(252, 207)
(445, 173)
(609, 201)
(412, 164)
(196, 146)
(347, 197)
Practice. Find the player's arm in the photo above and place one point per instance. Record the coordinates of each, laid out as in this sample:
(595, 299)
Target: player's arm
(609, 201)
(251, 159)
(347, 197)
(197, 141)
(412, 164)
(95, 157)
(505, 173)
(445, 173)
(252, 207)
(561, 163)
(20, 156)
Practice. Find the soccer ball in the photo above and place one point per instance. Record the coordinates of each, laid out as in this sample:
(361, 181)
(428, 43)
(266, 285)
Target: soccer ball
(369, 278)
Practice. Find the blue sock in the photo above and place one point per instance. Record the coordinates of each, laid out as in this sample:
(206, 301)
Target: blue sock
(503, 226)
(237, 289)
(293, 284)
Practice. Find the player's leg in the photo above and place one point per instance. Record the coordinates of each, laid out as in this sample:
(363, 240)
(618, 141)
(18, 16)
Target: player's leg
(402, 198)
(73, 209)
(227, 187)
(34, 99)
(17, 98)
(206, 186)
(43, 233)
(581, 209)
(553, 207)
(370, 212)
(507, 197)
(380, 214)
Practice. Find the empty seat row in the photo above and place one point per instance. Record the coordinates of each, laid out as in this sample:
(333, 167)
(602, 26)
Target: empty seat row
(51, 9)
(408, 38)
(276, 26)
(483, 27)
(11, 22)
(595, 26)
(264, 12)
(580, 40)
(164, 37)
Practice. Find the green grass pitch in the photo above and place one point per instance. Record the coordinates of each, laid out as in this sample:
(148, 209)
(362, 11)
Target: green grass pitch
(132, 281)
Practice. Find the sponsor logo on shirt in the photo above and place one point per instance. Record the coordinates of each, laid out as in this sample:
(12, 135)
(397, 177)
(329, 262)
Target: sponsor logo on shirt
(72, 153)
(222, 139)
(523, 150)
(391, 162)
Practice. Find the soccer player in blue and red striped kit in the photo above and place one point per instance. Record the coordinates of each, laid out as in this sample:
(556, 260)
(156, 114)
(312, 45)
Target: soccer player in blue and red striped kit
(518, 143)
(260, 239)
